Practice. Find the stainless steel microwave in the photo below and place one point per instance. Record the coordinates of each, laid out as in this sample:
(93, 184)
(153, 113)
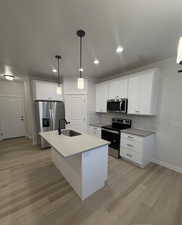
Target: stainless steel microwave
(117, 105)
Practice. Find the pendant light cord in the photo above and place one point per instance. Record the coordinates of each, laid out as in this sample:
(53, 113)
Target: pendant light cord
(80, 57)
(58, 57)
(59, 80)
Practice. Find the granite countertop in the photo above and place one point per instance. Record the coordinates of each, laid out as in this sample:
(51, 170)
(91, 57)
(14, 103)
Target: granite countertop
(68, 146)
(138, 132)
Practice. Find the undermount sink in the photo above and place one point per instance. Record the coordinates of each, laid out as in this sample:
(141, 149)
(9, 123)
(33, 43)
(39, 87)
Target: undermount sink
(70, 133)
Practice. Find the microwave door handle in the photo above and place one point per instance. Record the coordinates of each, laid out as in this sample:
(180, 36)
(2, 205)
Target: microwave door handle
(125, 106)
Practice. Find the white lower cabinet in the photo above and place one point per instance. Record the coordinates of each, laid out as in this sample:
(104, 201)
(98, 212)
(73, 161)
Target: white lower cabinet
(137, 149)
(94, 131)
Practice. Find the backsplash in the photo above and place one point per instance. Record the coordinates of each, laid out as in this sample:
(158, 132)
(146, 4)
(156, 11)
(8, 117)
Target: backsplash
(140, 122)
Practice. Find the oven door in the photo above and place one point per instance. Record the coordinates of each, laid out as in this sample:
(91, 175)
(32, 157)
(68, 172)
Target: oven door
(113, 106)
(112, 136)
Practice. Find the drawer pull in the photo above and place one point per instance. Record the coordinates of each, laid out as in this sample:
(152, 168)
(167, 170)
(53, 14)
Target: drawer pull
(130, 137)
(129, 155)
(130, 145)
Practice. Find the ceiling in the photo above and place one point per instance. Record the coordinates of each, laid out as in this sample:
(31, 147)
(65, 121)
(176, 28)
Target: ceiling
(33, 32)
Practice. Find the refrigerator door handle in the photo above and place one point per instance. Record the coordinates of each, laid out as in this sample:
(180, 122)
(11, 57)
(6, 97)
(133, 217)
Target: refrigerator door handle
(50, 115)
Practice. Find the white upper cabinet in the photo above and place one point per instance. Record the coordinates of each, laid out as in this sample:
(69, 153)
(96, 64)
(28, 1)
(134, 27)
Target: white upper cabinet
(118, 88)
(143, 93)
(43, 90)
(101, 97)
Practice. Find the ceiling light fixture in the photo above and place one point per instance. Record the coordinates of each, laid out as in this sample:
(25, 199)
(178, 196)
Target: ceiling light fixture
(96, 61)
(9, 77)
(80, 34)
(59, 87)
(119, 49)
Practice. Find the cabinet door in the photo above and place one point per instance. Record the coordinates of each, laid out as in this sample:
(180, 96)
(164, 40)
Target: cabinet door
(145, 93)
(114, 89)
(133, 95)
(140, 93)
(118, 88)
(43, 90)
(124, 88)
(101, 97)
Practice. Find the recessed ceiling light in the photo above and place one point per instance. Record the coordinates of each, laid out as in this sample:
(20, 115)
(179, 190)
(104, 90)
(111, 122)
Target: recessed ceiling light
(119, 49)
(54, 70)
(96, 61)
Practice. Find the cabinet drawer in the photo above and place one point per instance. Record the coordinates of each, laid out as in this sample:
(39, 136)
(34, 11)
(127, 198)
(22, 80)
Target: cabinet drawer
(132, 144)
(131, 137)
(131, 155)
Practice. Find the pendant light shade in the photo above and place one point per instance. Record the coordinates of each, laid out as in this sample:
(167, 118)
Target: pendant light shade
(9, 77)
(59, 87)
(80, 81)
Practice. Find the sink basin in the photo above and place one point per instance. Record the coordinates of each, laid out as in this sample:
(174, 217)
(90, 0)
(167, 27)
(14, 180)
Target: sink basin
(70, 133)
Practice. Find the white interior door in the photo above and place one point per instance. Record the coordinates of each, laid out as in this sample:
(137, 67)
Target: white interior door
(12, 116)
(76, 112)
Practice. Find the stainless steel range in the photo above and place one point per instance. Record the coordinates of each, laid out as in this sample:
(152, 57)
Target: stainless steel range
(112, 134)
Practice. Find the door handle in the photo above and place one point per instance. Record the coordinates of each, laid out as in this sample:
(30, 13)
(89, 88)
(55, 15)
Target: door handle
(129, 155)
(130, 145)
(130, 137)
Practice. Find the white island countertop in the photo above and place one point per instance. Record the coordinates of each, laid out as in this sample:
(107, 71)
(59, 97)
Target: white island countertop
(68, 146)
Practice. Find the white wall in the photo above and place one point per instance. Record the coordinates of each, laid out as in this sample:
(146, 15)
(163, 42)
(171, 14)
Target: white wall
(11, 88)
(168, 123)
(29, 116)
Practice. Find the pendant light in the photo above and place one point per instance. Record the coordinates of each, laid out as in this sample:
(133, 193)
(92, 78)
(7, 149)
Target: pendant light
(59, 87)
(9, 77)
(80, 34)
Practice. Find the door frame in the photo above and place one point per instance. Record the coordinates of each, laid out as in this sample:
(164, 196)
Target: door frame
(18, 97)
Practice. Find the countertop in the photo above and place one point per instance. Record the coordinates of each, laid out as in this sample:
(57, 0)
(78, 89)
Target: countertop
(97, 124)
(138, 132)
(68, 146)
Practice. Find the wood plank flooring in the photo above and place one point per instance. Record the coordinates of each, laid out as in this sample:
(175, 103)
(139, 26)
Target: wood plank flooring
(33, 192)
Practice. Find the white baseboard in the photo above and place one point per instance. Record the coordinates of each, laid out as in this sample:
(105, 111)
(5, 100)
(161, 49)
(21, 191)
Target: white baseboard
(168, 165)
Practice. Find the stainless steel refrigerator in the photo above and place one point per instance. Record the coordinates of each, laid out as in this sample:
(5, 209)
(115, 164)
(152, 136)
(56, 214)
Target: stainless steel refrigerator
(48, 115)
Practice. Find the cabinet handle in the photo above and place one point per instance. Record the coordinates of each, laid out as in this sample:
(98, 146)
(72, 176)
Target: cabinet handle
(137, 111)
(130, 137)
(129, 155)
(130, 145)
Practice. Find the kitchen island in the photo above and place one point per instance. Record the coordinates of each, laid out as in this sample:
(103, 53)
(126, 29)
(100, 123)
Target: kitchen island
(82, 160)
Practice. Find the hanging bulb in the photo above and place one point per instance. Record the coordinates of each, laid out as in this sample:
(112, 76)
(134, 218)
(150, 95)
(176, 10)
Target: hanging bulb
(80, 83)
(9, 77)
(59, 89)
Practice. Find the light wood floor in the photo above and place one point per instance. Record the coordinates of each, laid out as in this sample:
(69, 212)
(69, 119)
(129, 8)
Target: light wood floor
(33, 192)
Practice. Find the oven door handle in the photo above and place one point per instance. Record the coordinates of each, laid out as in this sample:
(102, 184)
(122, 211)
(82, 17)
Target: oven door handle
(111, 131)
